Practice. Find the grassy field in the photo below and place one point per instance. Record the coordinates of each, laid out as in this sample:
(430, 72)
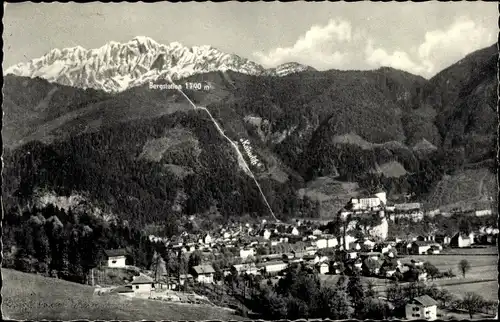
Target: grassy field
(483, 267)
(28, 296)
(481, 279)
(488, 250)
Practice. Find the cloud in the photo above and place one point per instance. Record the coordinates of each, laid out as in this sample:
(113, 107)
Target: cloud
(337, 45)
(439, 49)
(318, 47)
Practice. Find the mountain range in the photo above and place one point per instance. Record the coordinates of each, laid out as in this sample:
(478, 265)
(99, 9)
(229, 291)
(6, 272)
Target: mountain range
(85, 125)
(116, 67)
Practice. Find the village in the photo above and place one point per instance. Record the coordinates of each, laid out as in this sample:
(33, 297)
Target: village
(267, 249)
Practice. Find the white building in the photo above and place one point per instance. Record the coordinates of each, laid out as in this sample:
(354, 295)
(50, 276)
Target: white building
(294, 231)
(142, 284)
(421, 308)
(321, 243)
(332, 242)
(266, 234)
(403, 207)
(323, 268)
(203, 273)
(484, 212)
(349, 240)
(116, 258)
(207, 239)
(461, 240)
(317, 232)
(249, 268)
(273, 267)
(365, 203)
(420, 247)
(246, 252)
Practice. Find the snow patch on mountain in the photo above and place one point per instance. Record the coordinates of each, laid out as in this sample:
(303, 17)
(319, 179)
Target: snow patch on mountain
(116, 67)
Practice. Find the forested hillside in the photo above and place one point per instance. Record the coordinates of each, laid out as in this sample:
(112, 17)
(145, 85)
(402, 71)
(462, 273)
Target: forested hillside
(147, 156)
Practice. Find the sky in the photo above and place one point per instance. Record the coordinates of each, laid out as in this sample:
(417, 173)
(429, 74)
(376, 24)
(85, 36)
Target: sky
(421, 38)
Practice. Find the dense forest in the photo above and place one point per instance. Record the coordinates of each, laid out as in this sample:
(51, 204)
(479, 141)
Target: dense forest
(149, 158)
(56, 243)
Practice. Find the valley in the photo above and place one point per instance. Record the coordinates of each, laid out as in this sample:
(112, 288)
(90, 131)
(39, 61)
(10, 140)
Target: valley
(148, 180)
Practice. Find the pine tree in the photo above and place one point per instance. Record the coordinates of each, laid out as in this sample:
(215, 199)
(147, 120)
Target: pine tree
(355, 290)
(158, 266)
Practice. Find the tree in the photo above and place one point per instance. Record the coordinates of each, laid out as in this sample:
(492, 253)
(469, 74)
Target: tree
(464, 266)
(369, 266)
(194, 259)
(355, 290)
(339, 306)
(297, 308)
(445, 297)
(431, 270)
(373, 309)
(396, 294)
(273, 306)
(472, 302)
(158, 266)
(370, 289)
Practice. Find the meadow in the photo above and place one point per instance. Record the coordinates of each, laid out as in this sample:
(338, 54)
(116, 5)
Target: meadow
(34, 297)
(482, 278)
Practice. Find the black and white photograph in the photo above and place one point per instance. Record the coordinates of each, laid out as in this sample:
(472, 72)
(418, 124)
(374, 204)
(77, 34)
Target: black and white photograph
(246, 161)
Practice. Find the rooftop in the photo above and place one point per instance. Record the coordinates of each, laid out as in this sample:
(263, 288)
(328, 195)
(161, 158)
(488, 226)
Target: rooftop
(115, 252)
(142, 279)
(425, 300)
(204, 269)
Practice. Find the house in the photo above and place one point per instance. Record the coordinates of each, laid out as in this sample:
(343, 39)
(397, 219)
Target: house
(480, 213)
(293, 231)
(405, 207)
(311, 250)
(364, 203)
(273, 267)
(311, 258)
(321, 243)
(460, 240)
(383, 248)
(185, 277)
(368, 244)
(203, 273)
(246, 252)
(317, 232)
(426, 238)
(142, 284)
(332, 242)
(355, 246)
(420, 247)
(322, 268)
(266, 234)
(351, 254)
(116, 258)
(421, 308)
(249, 268)
(442, 239)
